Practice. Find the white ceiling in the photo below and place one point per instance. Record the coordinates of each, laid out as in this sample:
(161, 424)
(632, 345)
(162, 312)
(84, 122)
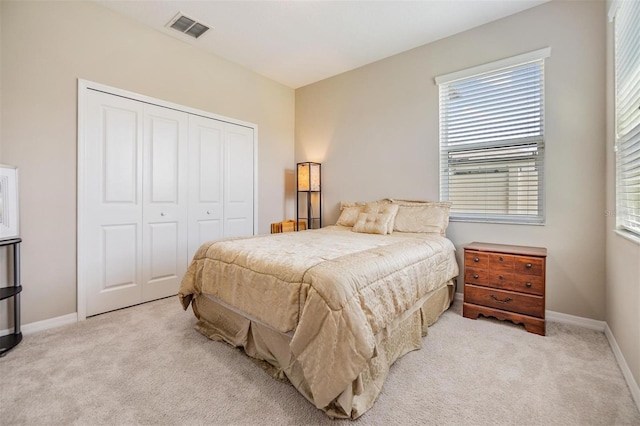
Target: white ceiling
(300, 42)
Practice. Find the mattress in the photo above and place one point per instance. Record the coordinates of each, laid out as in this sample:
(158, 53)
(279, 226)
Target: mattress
(332, 293)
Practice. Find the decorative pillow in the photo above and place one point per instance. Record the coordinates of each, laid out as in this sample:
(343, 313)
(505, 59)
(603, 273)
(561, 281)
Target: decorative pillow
(349, 215)
(422, 217)
(391, 209)
(372, 223)
(349, 211)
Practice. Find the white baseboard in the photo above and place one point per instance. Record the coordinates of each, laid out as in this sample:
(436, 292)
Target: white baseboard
(34, 327)
(574, 320)
(626, 372)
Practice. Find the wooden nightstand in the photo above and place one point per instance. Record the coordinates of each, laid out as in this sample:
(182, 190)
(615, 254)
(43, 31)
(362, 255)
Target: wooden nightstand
(505, 282)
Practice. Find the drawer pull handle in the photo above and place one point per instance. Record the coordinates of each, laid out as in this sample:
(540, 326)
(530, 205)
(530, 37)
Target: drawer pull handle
(528, 265)
(501, 259)
(476, 276)
(507, 300)
(475, 259)
(528, 285)
(501, 277)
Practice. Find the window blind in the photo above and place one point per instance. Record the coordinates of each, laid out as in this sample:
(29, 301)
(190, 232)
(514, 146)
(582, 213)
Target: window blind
(492, 143)
(627, 111)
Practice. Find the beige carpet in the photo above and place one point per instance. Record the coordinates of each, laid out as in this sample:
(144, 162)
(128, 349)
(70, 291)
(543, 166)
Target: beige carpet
(147, 365)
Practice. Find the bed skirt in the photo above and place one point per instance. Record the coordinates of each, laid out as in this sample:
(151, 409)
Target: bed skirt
(219, 321)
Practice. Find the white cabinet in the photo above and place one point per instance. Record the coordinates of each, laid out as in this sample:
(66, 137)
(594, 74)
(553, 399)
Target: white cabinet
(154, 184)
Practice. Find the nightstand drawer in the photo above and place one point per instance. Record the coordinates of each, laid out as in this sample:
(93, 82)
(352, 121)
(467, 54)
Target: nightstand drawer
(530, 284)
(476, 276)
(501, 262)
(505, 300)
(529, 266)
(475, 259)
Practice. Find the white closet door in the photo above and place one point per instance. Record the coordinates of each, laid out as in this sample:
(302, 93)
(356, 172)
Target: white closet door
(112, 210)
(238, 181)
(206, 149)
(165, 203)
(154, 183)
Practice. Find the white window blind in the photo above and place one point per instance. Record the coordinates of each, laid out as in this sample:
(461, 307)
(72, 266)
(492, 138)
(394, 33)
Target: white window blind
(627, 112)
(492, 141)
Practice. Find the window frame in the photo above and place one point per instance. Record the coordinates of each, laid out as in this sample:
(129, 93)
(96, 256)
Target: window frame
(479, 216)
(631, 137)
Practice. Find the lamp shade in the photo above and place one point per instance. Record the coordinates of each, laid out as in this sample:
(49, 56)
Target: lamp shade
(308, 176)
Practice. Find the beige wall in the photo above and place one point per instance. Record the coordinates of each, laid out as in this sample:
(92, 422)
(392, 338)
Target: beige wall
(622, 255)
(65, 41)
(375, 129)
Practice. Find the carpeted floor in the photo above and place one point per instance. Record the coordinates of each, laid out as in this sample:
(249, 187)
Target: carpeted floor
(147, 365)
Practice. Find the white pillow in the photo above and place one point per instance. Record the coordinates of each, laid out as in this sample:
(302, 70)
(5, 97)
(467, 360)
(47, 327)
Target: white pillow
(372, 223)
(422, 217)
(349, 215)
(391, 209)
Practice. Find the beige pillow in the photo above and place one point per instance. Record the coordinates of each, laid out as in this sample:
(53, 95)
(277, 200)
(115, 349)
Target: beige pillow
(345, 204)
(372, 223)
(349, 211)
(391, 209)
(422, 217)
(349, 215)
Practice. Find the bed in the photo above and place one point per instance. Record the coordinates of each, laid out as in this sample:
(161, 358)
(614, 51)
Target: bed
(329, 310)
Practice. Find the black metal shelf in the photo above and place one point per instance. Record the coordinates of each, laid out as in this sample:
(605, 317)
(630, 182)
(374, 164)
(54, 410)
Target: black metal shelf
(7, 292)
(9, 341)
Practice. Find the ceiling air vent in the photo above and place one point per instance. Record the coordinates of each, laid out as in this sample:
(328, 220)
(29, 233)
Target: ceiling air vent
(187, 25)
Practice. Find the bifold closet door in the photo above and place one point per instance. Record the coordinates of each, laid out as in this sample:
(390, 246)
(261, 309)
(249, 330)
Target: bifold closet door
(239, 154)
(206, 160)
(165, 201)
(135, 202)
(112, 202)
(155, 184)
(221, 181)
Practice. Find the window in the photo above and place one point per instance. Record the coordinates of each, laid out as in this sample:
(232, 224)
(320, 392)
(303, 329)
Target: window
(492, 140)
(627, 114)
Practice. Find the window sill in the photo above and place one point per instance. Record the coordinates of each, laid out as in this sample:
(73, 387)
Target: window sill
(628, 235)
(494, 221)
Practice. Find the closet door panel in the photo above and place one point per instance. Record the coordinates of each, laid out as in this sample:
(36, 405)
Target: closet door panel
(111, 238)
(239, 181)
(206, 155)
(165, 201)
(119, 255)
(120, 146)
(163, 250)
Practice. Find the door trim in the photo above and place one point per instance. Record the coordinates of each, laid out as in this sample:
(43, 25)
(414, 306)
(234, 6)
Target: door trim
(83, 87)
